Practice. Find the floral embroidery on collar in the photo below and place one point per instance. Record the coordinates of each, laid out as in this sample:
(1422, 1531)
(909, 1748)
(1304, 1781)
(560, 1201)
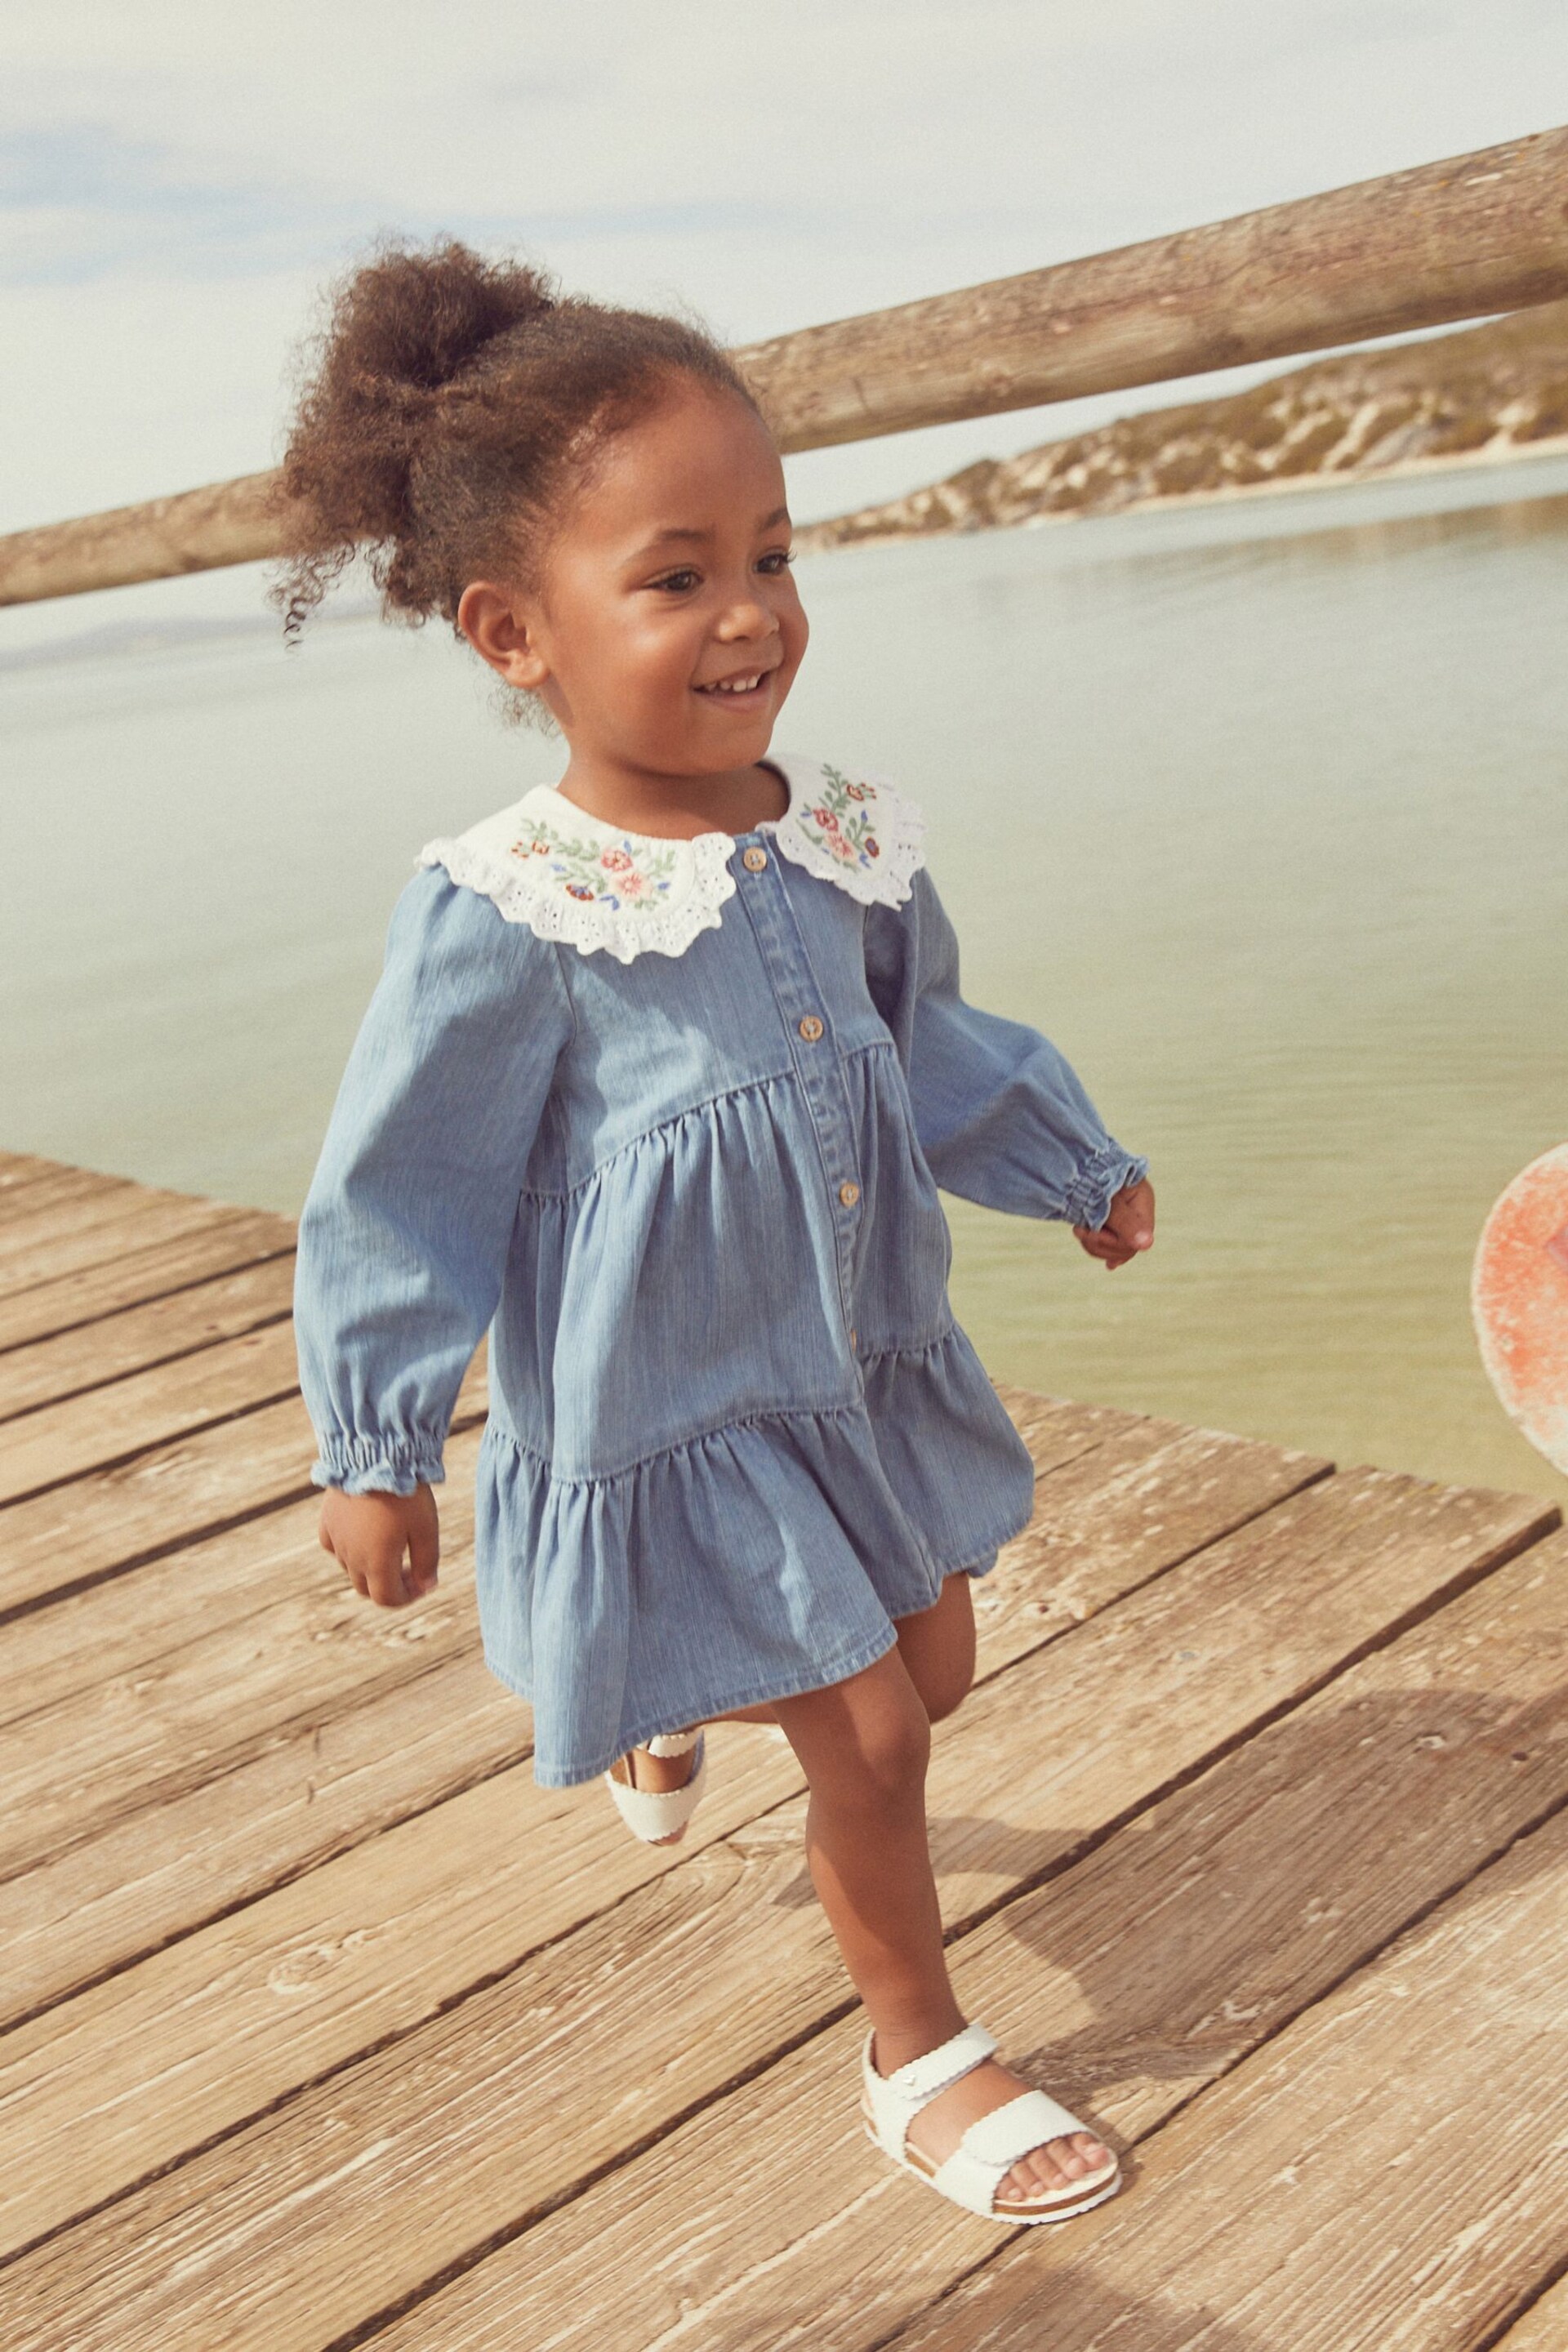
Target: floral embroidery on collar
(630, 872)
(547, 862)
(862, 835)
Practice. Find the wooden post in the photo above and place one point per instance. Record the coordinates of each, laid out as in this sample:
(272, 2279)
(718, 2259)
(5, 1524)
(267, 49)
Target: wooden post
(1461, 239)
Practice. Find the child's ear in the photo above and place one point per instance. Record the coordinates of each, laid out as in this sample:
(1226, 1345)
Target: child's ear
(501, 631)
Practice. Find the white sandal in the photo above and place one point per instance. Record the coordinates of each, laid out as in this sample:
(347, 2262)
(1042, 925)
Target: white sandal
(989, 2149)
(655, 1814)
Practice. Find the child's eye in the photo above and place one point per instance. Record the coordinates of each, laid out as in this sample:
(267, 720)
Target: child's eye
(778, 560)
(678, 583)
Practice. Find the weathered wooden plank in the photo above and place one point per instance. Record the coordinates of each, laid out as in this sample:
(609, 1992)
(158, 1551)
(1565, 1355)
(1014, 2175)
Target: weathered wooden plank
(1473, 235)
(115, 1631)
(59, 1442)
(1215, 1640)
(316, 1787)
(458, 1936)
(1104, 1522)
(1143, 1974)
(283, 2235)
(188, 1714)
(109, 1520)
(100, 1525)
(1040, 1420)
(71, 1301)
(150, 2063)
(1543, 2327)
(71, 1363)
(75, 1202)
(96, 1233)
(1393, 2172)
(39, 1189)
(19, 1168)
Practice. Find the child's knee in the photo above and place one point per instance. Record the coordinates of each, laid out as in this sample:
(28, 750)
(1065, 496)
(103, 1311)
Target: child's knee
(888, 1746)
(866, 1742)
(938, 1649)
(893, 1750)
(944, 1686)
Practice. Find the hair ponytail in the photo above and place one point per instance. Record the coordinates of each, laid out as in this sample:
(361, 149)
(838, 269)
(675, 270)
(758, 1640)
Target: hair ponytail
(443, 409)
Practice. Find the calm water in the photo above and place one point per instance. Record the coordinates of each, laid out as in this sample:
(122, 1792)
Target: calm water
(1259, 812)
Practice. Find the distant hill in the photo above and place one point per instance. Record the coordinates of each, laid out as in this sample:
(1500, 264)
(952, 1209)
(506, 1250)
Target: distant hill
(1480, 394)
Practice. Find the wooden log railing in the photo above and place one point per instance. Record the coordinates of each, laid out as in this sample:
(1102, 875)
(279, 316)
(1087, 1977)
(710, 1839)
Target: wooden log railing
(1426, 247)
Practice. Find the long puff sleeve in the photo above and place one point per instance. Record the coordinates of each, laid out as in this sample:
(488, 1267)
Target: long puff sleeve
(404, 1237)
(1002, 1117)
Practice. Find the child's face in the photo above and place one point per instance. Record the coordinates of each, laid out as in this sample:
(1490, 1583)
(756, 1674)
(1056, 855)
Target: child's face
(669, 582)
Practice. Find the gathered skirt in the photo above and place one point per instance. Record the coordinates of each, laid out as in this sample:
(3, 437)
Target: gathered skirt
(765, 1558)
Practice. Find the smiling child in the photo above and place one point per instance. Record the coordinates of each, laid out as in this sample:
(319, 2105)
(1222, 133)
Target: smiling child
(664, 1069)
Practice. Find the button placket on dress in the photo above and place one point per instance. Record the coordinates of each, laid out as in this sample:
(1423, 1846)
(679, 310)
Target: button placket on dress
(813, 1050)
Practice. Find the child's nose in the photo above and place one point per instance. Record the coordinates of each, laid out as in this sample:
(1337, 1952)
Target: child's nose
(747, 619)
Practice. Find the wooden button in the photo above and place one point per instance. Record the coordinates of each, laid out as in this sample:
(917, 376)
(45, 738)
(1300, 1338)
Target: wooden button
(753, 860)
(849, 1194)
(811, 1028)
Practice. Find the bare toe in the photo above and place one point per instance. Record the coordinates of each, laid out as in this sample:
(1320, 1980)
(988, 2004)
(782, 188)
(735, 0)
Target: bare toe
(1061, 2164)
(1033, 2176)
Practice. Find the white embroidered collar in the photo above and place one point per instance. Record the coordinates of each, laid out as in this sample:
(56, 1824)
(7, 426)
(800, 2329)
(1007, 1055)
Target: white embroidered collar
(568, 876)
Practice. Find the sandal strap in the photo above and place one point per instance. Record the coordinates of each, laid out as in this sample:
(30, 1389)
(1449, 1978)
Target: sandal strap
(924, 2078)
(651, 1814)
(1031, 2120)
(992, 2146)
(672, 1743)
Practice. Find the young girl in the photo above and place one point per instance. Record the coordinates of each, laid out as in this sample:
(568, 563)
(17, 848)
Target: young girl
(664, 1069)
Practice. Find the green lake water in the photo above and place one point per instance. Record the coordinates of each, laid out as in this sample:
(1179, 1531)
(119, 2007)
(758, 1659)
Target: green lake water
(1260, 810)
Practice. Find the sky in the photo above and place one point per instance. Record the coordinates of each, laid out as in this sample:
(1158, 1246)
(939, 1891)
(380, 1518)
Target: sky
(179, 181)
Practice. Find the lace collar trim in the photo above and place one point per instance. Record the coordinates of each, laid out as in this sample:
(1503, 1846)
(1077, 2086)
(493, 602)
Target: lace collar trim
(569, 876)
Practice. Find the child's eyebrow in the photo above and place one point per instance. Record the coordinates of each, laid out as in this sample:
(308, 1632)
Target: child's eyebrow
(701, 538)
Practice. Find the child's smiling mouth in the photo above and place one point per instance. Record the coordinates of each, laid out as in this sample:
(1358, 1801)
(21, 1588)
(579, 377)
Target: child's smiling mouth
(744, 686)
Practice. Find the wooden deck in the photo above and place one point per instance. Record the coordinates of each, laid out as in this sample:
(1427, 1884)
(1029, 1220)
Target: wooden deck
(328, 2028)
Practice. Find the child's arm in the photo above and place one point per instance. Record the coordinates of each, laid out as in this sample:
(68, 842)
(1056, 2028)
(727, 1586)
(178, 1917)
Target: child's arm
(404, 1237)
(1002, 1117)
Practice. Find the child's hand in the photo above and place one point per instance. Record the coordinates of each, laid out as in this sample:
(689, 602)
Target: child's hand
(1128, 1229)
(368, 1536)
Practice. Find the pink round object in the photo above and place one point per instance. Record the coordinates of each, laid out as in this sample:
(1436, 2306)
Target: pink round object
(1518, 1294)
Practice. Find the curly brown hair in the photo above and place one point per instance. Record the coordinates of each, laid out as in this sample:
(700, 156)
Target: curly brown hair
(446, 407)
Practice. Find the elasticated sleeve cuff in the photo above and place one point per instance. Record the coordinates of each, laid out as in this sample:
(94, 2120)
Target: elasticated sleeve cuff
(378, 1465)
(1109, 1171)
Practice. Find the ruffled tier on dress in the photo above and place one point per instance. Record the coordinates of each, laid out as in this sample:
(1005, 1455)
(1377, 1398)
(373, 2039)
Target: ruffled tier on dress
(624, 1606)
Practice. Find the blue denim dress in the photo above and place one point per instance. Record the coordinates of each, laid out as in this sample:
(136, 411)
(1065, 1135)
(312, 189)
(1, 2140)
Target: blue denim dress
(669, 1119)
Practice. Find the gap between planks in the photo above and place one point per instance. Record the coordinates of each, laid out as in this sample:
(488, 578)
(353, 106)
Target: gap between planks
(82, 1234)
(1543, 2327)
(109, 1522)
(72, 1302)
(145, 1335)
(104, 1427)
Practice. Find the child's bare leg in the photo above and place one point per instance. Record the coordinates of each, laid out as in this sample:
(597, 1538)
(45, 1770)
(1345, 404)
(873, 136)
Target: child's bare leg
(863, 1745)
